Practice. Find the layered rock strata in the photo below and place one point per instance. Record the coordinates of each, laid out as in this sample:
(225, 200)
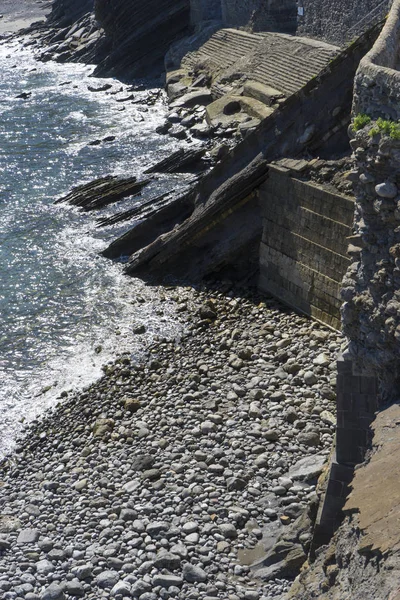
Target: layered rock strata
(66, 12)
(139, 34)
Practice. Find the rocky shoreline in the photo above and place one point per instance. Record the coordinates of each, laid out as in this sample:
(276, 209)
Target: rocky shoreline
(183, 476)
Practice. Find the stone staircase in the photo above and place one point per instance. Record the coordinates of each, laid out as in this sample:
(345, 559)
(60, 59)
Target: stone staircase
(225, 48)
(288, 72)
(281, 61)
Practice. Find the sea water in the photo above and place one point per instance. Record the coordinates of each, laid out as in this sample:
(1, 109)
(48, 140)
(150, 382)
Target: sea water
(64, 310)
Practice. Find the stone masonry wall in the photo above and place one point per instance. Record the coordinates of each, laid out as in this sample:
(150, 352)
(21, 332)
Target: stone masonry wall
(338, 21)
(371, 288)
(377, 82)
(303, 250)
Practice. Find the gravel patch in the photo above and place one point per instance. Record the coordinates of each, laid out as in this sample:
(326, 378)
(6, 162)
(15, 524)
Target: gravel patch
(151, 483)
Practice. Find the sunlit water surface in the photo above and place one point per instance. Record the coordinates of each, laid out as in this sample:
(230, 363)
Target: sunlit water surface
(59, 300)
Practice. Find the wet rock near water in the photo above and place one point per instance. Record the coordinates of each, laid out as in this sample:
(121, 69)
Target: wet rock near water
(102, 192)
(180, 476)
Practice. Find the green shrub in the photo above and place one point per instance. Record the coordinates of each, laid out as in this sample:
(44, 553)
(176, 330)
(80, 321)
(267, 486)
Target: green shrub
(361, 121)
(390, 128)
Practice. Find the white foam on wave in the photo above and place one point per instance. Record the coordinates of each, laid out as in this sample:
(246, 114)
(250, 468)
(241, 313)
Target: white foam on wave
(73, 361)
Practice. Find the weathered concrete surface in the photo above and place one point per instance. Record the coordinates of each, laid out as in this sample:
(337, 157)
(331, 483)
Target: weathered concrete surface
(303, 254)
(283, 62)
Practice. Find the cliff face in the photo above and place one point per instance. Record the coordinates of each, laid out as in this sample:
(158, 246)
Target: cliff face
(339, 21)
(139, 33)
(66, 12)
(270, 15)
(362, 561)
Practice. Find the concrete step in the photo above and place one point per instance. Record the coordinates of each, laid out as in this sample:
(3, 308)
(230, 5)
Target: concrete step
(280, 61)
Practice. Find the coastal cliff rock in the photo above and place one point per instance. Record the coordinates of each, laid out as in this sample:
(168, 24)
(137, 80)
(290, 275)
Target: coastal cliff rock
(66, 12)
(139, 34)
(363, 559)
(226, 222)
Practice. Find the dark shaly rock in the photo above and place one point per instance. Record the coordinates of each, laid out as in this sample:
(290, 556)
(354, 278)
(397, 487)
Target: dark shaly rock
(193, 574)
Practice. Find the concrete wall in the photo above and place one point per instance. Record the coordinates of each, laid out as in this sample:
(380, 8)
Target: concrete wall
(339, 21)
(303, 251)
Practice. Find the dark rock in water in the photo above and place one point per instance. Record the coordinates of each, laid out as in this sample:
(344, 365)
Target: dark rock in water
(24, 95)
(138, 329)
(163, 129)
(178, 161)
(100, 88)
(166, 214)
(104, 191)
(125, 98)
(178, 132)
(140, 211)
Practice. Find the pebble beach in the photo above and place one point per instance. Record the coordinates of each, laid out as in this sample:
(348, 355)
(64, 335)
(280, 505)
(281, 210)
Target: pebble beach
(169, 477)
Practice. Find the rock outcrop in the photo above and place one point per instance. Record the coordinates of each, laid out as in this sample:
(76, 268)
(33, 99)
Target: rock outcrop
(66, 12)
(226, 222)
(363, 559)
(139, 34)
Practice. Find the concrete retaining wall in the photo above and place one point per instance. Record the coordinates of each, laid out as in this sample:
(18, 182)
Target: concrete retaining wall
(303, 251)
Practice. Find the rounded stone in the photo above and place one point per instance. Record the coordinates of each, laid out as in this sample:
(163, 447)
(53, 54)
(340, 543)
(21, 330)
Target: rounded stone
(386, 190)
